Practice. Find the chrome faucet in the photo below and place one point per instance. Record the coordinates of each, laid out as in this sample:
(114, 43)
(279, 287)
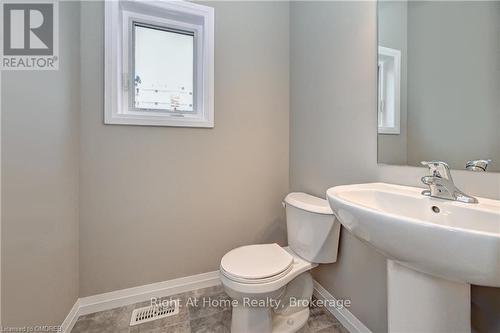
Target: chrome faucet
(441, 184)
(477, 165)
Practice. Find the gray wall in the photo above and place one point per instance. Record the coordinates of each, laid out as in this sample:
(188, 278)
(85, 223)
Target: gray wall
(162, 203)
(333, 140)
(40, 186)
(392, 32)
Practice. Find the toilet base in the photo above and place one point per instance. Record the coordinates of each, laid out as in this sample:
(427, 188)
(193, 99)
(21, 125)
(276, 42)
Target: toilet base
(251, 320)
(291, 323)
(263, 320)
(289, 317)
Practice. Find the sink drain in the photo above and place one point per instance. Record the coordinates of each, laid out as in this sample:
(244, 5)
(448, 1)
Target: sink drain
(435, 209)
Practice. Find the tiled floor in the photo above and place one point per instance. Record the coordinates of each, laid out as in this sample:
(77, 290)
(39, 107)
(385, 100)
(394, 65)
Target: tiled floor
(215, 318)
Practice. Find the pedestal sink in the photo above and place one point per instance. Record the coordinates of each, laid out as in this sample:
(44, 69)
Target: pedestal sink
(435, 249)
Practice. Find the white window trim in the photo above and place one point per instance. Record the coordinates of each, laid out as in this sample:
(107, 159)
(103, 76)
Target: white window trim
(117, 67)
(396, 56)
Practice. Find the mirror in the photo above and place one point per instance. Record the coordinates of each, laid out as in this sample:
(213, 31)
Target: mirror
(439, 82)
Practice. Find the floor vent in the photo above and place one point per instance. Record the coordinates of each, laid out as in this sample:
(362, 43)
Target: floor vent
(154, 312)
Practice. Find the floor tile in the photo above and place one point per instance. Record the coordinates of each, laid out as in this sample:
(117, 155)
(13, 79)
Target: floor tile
(114, 320)
(320, 320)
(217, 323)
(175, 328)
(333, 329)
(208, 303)
(211, 313)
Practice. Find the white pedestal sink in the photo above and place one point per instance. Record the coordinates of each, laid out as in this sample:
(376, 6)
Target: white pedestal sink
(435, 249)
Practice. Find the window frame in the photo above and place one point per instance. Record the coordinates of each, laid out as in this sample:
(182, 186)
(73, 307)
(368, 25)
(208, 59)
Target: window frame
(119, 53)
(395, 89)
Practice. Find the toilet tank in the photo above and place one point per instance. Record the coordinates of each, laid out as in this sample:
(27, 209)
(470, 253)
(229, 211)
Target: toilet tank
(313, 231)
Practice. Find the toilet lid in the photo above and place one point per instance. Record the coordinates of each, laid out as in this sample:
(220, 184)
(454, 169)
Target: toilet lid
(254, 262)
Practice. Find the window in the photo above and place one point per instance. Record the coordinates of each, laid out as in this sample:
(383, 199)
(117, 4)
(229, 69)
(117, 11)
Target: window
(159, 63)
(389, 81)
(163, 69)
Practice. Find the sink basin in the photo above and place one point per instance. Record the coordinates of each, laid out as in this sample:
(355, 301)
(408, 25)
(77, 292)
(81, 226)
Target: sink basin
(452, 240)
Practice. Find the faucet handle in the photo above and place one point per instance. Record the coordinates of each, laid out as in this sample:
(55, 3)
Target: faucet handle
(477, 165)
(438, 169)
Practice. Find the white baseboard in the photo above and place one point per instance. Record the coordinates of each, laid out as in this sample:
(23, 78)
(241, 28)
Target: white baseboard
(118, 298)
(71, 318)
(114, 299)
(346, 318)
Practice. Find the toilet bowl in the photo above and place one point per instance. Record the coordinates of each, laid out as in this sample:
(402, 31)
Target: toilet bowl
(272, 284)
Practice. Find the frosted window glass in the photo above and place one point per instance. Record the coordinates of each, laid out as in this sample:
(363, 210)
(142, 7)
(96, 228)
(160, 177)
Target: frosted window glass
(163, 69)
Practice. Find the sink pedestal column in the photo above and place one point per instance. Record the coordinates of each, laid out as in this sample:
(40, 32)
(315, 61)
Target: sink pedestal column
(419, 302)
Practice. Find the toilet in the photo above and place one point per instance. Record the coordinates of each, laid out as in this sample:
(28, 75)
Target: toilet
(271, 285)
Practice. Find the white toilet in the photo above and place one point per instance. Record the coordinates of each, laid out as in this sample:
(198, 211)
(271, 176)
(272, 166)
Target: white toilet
(271, 283)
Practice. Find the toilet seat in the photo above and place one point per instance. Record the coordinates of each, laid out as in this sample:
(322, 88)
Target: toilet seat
(269, 284)
(256, 263)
